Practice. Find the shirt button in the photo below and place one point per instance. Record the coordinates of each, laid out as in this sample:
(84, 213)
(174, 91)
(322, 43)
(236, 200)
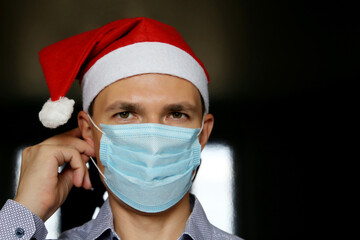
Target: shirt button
(19, 232)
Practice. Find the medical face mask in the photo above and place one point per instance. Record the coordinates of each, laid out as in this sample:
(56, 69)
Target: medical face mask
(149, 166)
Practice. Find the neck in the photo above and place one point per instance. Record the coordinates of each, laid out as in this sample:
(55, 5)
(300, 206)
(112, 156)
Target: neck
(132, 224)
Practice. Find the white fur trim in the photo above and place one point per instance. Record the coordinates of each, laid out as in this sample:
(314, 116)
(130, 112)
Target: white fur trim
(56, 113)
(141, 58)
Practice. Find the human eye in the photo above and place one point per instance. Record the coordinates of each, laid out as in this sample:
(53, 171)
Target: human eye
(178, 115)
(124, 115)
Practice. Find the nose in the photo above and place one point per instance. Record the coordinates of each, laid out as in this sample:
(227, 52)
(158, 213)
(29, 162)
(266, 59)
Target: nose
(153, 117)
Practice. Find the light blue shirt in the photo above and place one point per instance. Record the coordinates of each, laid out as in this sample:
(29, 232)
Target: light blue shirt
(17, 222)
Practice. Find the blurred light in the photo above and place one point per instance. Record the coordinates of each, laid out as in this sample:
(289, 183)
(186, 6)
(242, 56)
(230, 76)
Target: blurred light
(97, 209)
(96, 212)
(213, 185)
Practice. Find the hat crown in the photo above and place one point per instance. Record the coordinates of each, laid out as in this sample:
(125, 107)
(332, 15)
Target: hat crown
(72, 58)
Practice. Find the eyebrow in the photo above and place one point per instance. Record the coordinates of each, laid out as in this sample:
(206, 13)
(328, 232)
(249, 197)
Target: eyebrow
(126, 106)
(178, 107)
(135, 107)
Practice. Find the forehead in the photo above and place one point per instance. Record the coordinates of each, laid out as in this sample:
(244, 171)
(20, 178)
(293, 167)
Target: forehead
(150, 88)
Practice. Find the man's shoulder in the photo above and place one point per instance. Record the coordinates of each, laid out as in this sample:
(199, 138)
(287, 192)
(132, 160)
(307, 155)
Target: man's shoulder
(99, 226)
(80, 232)
(219, 234)
(200, 227)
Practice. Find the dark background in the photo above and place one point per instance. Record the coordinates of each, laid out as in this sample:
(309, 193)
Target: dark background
(273, 65)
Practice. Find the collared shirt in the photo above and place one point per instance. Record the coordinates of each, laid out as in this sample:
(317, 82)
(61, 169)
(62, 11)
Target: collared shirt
(17, 222)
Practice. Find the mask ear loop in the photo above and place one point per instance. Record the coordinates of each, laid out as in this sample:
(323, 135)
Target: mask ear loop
(95, 125)
(93, 161)
(97, 167)
(196, 172)
(197, 169)
(202, 125)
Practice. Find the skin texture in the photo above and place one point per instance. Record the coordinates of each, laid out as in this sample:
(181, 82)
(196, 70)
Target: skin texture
(148, 98)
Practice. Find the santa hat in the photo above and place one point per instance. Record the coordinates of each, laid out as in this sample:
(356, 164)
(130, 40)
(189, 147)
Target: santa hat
(118, 50)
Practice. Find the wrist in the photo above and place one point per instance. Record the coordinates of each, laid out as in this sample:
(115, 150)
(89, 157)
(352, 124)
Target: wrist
(33, 208)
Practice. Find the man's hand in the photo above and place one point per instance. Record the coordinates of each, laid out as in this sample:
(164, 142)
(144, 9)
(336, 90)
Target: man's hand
(41, 188)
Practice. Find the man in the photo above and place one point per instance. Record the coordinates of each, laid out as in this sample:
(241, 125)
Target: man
(145, 119)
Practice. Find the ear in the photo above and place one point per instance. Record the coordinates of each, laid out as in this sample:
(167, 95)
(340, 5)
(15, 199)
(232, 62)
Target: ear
(85, 127)
(206, 131)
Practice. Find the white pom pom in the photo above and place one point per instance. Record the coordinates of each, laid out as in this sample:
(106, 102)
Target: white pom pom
(56, 113)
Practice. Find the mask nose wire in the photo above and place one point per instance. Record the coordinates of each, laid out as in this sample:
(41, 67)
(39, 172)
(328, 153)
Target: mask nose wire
(93, 161)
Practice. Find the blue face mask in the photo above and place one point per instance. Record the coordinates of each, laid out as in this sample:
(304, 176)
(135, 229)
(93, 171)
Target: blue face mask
(149, 166)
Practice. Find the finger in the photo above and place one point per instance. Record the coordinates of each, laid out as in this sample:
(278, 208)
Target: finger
(69, 176)
(84, 148)
(72, 137)
(85, 157)
(86, 181)
(66, 179)
(72, 156)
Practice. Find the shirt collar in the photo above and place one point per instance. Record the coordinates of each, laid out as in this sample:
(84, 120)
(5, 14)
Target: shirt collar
(102, 223)
(197, 226)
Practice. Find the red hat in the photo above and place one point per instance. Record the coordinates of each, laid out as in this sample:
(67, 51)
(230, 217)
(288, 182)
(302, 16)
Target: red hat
(118, 50)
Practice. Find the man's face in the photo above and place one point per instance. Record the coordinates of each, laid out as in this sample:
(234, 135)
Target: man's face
(148, 98)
